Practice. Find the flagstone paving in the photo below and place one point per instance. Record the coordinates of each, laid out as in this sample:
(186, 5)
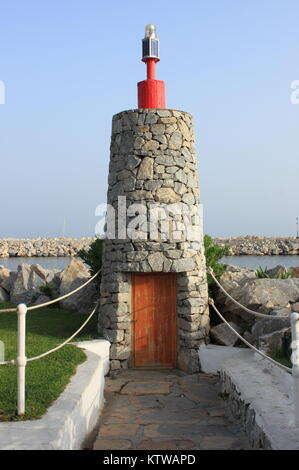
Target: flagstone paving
(156, 410)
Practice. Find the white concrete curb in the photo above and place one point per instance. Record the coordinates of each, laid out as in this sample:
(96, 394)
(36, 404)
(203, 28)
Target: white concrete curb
(259, 393)
(212, 357)
(73, 415)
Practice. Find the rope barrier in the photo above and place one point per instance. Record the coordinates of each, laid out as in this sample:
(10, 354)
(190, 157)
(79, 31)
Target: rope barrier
(59, 346)
(66, 341)
(51, 302)
(211, 302)
(257, 314)
(8, 362)
(14, 362)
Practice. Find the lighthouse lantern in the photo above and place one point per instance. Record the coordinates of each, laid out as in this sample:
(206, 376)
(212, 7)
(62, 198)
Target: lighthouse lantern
(150, 44)
(151, 92)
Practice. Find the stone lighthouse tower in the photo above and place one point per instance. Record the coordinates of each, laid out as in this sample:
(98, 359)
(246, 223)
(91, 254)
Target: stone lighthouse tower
(154, 300)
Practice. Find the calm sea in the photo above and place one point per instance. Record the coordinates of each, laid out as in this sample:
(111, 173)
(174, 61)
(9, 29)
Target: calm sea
(47, 263)
(253, 262)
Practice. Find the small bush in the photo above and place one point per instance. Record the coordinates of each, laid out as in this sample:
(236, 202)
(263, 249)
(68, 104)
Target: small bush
(93, 256)
(46, 290)
(213, 254)
(285, 275)
(263, 274)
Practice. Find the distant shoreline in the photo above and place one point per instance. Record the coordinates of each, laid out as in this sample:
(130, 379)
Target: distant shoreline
(260, 246)
(60, 246)
(42, 247)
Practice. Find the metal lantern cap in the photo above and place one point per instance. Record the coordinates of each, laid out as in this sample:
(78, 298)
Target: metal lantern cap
(150, 31)
(150, 44)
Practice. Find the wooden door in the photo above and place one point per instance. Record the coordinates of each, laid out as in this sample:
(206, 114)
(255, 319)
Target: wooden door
(154, 320)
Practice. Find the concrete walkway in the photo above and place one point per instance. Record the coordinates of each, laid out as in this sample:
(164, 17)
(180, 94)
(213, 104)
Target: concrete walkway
(155, 410)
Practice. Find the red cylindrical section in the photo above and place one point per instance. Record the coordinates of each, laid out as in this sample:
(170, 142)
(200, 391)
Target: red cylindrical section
(151, 94)
(151, 69)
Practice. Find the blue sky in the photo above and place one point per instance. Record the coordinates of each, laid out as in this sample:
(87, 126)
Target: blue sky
(69, 65)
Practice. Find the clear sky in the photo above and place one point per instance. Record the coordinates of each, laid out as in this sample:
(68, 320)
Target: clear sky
(69, 65)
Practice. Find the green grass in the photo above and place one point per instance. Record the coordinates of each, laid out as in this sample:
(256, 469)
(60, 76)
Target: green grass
(46, 378)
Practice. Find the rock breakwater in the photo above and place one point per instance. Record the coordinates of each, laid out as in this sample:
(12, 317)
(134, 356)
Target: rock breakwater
(260, 246)
(12, 247)
(47, 247)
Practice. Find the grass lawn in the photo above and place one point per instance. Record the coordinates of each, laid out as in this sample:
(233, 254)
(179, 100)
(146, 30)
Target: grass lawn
(46, 378)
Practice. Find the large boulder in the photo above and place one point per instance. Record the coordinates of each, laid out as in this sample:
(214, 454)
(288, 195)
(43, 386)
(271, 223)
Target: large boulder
(5, 281)
(72, 277)
(232, 278)
(75, 270)
(46, 274)
(4, 297)
(294, 271)
(262, 295)
(20, 287)
(237, 273)
(277, 271)
(277, 341)
(84, 300)
(25, 285)
(269, 296)
(267, 326)
(42, 299)
(223, 335)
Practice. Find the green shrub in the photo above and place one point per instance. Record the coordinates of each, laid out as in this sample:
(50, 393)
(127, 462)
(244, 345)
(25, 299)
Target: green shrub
(263, 274)
(47, 290)
(93, 256)
(285, 275)
(213, 254)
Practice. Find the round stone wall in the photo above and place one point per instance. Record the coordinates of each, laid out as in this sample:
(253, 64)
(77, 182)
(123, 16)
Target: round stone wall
(153, 225)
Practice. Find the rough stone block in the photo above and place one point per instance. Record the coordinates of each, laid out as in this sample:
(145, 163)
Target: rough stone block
(222, 334)
(184, 264)
(114, 336)
(119, 352)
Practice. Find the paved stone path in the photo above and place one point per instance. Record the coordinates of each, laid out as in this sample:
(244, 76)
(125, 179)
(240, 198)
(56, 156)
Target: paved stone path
(155, 410)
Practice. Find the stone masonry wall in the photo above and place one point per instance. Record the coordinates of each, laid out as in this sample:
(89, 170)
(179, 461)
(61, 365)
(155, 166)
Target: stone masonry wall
(241, 410)
(153, 162)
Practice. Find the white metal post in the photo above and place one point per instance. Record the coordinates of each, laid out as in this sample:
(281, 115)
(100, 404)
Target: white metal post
(295, 362)
(21, 359)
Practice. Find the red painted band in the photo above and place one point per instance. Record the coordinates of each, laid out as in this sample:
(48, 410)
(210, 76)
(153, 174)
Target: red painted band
(151, 94)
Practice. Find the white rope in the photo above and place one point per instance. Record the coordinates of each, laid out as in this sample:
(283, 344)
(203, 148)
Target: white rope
(66, 341)
(211, 302)
(34, 307)
(257, 314)
(7, 362)
(57, 347)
